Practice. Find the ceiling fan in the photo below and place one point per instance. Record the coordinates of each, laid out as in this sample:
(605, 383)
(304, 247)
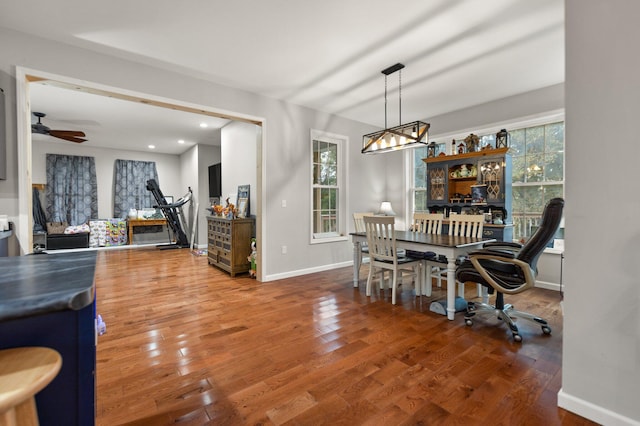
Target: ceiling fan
(68, 135)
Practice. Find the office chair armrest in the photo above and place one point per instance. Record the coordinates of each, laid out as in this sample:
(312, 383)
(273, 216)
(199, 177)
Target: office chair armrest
(503, 245)
(492, 253)
(494, 280)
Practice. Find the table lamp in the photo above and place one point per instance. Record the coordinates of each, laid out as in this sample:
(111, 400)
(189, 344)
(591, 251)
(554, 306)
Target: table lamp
(385, 209)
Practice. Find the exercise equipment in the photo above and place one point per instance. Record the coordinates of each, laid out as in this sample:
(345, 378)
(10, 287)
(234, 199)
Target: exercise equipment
(173, 213)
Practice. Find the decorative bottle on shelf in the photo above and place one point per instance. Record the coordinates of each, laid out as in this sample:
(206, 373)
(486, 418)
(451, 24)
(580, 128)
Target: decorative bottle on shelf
(453, 147)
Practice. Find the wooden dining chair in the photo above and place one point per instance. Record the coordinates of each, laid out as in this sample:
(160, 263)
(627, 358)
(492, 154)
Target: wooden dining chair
(358, 222)
(428, 223)
(383, 254)
(467, 225)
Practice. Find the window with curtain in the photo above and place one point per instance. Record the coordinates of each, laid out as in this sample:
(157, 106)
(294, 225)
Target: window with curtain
(71, 190)
(130, 186)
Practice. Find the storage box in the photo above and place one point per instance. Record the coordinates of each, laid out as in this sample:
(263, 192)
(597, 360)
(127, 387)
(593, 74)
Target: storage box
(67, 241)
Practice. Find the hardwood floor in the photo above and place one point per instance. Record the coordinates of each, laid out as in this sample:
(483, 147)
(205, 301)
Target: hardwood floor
(187, 344)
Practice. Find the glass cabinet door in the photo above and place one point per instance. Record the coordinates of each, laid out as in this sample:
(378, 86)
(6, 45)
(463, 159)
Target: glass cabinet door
(491, 173)
(436, 179)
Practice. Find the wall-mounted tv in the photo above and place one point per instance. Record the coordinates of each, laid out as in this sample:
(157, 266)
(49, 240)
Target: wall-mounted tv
(215, 181)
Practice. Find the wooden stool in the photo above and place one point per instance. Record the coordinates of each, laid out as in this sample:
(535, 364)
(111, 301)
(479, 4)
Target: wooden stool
(23, 373)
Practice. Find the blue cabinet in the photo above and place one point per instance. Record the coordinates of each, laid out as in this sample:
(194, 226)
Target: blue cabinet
(475, 182)
(49, 300)
(71, 395)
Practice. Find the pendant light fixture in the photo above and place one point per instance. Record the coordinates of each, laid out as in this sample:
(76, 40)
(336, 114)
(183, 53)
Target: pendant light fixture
(409, 135)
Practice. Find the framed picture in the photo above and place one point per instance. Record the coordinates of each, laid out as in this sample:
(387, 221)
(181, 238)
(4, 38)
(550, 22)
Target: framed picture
(242, 201)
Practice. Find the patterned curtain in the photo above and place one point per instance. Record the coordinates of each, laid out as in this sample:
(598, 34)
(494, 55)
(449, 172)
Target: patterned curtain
(130, 186)
(71, 190)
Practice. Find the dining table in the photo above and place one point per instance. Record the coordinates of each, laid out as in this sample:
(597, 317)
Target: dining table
(450, 246)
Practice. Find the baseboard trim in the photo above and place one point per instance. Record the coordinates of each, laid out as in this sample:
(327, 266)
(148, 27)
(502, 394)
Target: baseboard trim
(593, 412)
(548, 285)
(297, 273)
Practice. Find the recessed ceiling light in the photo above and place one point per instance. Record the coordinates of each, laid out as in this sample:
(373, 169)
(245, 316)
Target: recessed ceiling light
(181, 141)
(204, 125)
(152, 147)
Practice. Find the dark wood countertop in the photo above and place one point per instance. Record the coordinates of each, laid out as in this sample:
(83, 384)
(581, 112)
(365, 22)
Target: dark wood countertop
(43, 283)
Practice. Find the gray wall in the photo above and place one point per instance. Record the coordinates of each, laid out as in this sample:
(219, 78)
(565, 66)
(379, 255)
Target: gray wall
(513, 108)
(601, 342)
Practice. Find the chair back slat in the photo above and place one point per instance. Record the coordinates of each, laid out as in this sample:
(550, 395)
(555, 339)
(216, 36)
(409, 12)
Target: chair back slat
(428, 223)
(466, 225)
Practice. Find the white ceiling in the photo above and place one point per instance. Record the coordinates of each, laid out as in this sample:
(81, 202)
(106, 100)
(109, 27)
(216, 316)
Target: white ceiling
(114, 123)
(326, 55)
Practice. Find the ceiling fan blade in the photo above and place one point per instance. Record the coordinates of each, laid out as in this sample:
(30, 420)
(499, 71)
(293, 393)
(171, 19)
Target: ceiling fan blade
(59, 133)
(68, 135)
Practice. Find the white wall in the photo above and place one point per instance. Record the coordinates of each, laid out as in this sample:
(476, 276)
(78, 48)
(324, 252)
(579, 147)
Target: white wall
(601, 341)
(238, 153)
(207, 156)
(166, 166)
(189, 178)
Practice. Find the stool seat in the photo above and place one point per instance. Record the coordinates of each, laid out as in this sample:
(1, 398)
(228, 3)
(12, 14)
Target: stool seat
(23, 373)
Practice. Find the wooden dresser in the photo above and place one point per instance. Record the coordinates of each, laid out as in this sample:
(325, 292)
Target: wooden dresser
(229, 243)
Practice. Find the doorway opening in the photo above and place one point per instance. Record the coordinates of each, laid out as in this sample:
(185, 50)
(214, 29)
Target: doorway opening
(24, 79)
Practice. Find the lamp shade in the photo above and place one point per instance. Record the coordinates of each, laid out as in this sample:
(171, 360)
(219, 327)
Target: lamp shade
(385, 209)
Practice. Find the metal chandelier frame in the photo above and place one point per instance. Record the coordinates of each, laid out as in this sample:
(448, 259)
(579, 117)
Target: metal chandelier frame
(403, 136)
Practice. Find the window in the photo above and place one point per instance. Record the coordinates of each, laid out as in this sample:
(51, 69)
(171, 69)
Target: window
(328, 198)
(537, 154)
(419, 180)
(538, 173)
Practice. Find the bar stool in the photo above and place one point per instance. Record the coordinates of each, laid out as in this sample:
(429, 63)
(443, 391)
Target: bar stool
(23, 373)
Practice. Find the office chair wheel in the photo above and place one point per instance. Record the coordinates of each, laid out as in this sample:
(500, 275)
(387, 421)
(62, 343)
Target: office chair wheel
(546, 329)
(470, 314)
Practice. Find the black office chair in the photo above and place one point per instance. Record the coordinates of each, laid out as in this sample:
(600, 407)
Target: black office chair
(511, 269)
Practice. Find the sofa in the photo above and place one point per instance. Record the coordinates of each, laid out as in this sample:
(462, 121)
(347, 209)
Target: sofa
(62, 236)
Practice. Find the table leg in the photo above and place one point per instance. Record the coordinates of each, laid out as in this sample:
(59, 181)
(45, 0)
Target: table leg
(357, 252)
(451, 287)
(130, 234)
(426, 279)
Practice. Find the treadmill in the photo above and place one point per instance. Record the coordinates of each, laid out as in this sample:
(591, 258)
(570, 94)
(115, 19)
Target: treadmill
(172, 213)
